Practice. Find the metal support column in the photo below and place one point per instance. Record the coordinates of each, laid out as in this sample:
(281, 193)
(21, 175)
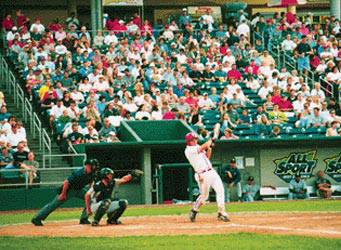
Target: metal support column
(96, 16)
(147, 180)
(99, 16)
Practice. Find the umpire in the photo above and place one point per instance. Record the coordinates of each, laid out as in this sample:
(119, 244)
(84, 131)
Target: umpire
(73, 187)
(231, 175)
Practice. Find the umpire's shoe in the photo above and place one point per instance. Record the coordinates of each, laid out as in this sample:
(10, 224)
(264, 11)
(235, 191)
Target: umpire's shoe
(223, 217)
(192, 215)
(37, 222)
(84, 222)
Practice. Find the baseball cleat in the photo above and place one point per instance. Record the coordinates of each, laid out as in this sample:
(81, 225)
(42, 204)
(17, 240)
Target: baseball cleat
(37, 222)
(84, 222)
(223, 217)
(192, 215)
(94, 223)
(114, 222)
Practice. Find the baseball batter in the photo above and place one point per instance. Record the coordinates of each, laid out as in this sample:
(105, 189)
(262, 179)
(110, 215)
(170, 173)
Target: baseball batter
(205, 175)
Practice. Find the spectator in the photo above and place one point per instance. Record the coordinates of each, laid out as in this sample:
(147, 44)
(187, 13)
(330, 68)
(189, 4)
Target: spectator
(243, 29)
(206, 103)
(91, 136)
(104, 133)
(297, 188)
(184, 18)
(38, 26)
(19, 156)
(30, 167)
(276, 116)
(275, 132)
(7, 23)
(195, 118)
(233, 114)
(245, 118)
(6, 157)
(332, 131)
(74, 137)
(316, 120)
(15, 136)
(4, 114)
(304, 50)
(288, 45)
(22, 20)
(264, 90)
(56, 111)
(228, 135)
(323, 185)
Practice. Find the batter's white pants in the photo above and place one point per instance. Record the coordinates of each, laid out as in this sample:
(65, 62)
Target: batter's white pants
(210, 179)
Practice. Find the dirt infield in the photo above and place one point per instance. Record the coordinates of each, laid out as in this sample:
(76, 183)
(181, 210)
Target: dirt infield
(308, 224)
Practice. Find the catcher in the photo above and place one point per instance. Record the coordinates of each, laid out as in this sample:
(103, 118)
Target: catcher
(98, 199)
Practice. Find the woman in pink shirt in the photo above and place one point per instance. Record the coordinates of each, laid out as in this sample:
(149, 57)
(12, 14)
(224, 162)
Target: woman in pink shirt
(276, 98)
(304, 30)
(285, 105)
(146, 28)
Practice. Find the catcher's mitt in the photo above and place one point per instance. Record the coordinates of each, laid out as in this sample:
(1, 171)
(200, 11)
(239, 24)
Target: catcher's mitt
(137, 173)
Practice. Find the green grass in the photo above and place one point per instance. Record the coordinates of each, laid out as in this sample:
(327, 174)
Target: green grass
(312, 205)
(216, 242)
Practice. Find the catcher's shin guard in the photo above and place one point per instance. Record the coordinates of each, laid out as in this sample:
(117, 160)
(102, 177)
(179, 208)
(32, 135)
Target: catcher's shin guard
(102, 209)
(113, 216)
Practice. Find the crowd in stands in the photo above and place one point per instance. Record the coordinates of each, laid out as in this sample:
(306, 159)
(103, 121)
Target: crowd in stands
(15, 153)
(210, 76)
(315, 47)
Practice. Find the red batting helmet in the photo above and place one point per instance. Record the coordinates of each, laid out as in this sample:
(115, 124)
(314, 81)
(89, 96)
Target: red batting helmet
(189, 137)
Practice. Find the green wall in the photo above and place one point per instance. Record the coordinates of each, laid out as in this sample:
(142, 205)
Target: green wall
(38, 197)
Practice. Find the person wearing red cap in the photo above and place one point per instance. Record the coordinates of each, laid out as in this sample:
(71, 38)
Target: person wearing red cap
(205, 175)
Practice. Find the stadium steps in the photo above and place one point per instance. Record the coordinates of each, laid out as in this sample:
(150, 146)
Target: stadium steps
(33, 144)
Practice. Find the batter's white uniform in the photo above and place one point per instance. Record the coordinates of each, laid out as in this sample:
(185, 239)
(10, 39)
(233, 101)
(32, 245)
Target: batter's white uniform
(203, 167)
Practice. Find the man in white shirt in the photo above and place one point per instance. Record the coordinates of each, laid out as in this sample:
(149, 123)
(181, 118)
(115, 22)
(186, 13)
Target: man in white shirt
(14, 136)
(58, 109)
(60, 49)
(11, 34)
(37, 25)
(205, 175)
(265, 90)
(182, 58)
(318, 92)
(229, 57)
(288, 44)
(208, 19)
(168, 34)
(243, 29)
(110, 38)
(299, 103)
(206, 103)
(101, 85)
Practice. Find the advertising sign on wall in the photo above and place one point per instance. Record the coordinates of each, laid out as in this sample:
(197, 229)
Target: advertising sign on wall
(333, 167)
(295, 163)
